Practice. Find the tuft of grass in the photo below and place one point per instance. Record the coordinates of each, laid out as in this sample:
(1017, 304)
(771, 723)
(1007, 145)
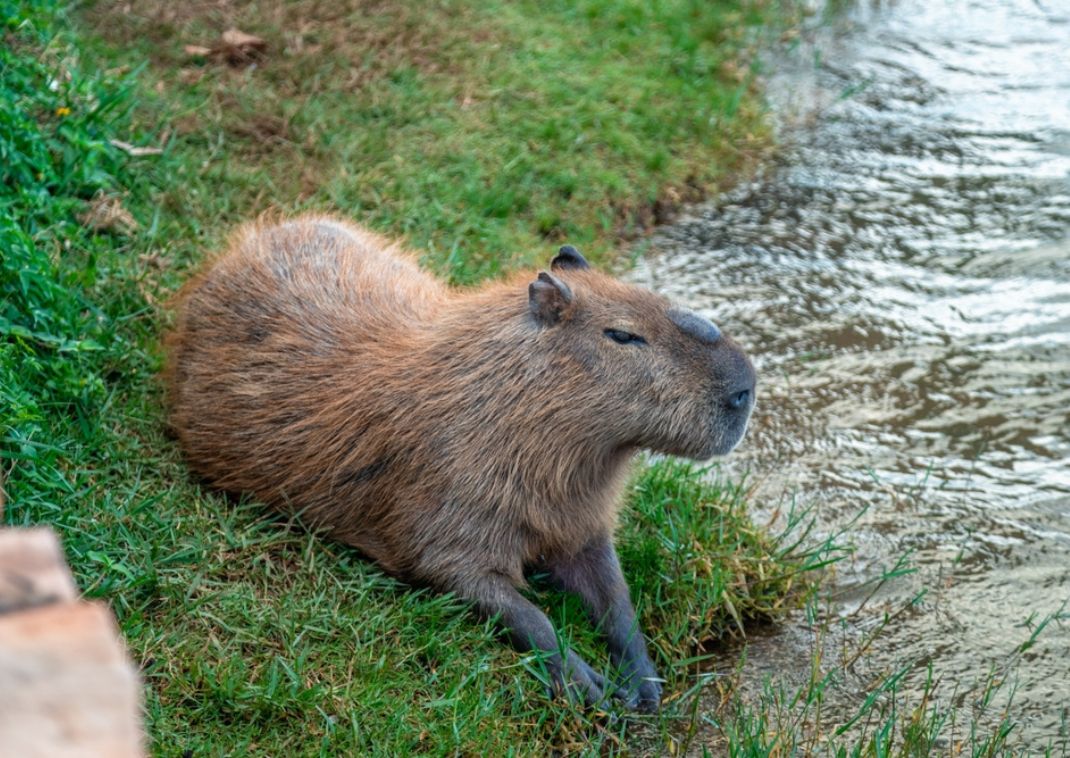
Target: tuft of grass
(703, 568)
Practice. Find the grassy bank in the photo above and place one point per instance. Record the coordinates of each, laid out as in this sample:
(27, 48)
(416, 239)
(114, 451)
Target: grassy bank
(252, 635)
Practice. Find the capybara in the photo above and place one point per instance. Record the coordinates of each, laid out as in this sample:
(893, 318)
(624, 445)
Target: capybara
(460, 437)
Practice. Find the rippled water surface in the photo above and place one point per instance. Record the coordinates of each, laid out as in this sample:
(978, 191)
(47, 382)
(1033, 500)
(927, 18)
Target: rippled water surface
(903, 277)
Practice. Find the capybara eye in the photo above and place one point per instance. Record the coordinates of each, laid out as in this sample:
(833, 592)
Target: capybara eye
(622, 337)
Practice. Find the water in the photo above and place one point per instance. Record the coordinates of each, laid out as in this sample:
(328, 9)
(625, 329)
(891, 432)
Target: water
(902, 275)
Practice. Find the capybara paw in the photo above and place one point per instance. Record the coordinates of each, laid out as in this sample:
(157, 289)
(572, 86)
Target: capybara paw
(643, 686)
(581, 684)
(648, 698)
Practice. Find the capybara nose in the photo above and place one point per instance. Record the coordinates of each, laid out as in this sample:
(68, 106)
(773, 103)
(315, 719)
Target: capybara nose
(739, 399)
(741, 382)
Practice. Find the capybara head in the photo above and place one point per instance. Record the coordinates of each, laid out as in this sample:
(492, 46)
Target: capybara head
(676, 384)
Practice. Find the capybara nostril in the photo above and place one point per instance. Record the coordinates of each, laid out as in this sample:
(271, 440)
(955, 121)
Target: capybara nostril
(739, 399)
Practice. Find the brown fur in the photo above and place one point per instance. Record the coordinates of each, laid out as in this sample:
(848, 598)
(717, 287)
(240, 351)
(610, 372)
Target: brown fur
(450, 434)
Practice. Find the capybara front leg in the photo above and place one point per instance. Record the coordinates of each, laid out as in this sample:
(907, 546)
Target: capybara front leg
(529, 629)
(594, 574)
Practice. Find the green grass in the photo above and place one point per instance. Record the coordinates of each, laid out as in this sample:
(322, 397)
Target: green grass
(904, 709)
(484, 133)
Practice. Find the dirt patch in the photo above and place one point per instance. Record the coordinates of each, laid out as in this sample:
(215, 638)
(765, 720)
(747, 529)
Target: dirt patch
(362, 39)
(272, 75)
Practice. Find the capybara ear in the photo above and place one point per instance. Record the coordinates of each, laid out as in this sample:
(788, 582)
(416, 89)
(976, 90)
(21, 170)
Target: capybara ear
(568, 257)
(549, 298)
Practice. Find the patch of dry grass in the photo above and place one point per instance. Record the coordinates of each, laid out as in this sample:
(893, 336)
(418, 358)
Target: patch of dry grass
(484, 132)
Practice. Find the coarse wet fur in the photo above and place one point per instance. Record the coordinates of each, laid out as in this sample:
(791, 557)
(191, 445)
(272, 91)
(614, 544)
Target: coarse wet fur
(459, 437)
